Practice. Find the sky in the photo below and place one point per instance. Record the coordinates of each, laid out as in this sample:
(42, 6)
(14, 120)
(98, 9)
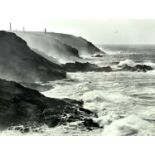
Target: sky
(120, 31)
(100, 21)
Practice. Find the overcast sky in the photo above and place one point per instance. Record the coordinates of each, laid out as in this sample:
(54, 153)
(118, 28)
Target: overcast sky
(87, 18)
(110, 31)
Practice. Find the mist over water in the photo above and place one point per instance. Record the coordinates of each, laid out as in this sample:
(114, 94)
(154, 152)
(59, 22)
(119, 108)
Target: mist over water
(124, 101)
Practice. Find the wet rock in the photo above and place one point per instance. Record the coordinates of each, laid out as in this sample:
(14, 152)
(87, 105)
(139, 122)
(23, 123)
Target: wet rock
(20, 128)
(138, 68)
(90, 124)
(104, 69)
(97, 55)
(78, 103)
(20, 105)
(84, 67)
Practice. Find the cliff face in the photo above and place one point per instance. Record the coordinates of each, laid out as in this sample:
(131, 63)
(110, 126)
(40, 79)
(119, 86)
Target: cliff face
(63, 47)
(20, 105)
(19, 63)
(49, 47)
(82, 45)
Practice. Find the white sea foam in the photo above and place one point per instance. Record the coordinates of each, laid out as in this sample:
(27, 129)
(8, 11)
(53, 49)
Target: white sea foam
(123, 101)
(126, 62)
(132, 63)
(72, 128)
(148, 114)
(131, 125)
(101, 96)
(112, 96)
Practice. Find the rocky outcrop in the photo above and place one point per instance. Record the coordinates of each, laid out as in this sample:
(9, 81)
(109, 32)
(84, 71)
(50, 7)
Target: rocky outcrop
(20, 105)
(19, 63)
(98, 55)
(138, 68)
(49, 47)
(84, 67)
(82, 45)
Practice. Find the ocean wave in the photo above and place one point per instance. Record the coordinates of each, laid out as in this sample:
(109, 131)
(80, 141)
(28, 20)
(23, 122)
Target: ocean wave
(148, 114)
(73, 128)
(131, 125)
(100, 96)
(128, 62)
(105, 103)
(132, 63)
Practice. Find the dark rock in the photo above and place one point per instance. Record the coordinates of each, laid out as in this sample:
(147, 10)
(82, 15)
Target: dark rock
(20, 128)
(26, 130)
(90, 124)
(84, 67)
(104, 69)
(20, 105)
(23, 129)
(138, 68)
(19, 63)
(86, 111)
(78, 103)
(115, 62)
(97, 55)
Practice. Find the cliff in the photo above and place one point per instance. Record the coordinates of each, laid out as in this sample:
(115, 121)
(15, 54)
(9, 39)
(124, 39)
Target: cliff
(49, 47)
(19, 63)
(63, 47)
(84, 46)
(20, 106)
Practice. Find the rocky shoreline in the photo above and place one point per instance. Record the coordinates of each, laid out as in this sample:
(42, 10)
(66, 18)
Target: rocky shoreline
(23, 69)
(85, 67)
(20, 105)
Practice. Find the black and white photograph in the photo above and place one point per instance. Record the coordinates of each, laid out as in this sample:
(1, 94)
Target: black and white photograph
(76, 76)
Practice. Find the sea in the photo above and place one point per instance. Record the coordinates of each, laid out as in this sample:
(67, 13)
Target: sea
(124, 101)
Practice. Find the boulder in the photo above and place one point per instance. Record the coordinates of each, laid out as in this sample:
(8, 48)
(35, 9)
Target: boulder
(90, 124)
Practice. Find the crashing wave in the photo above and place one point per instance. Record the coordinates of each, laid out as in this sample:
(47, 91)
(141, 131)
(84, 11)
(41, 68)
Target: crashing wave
(131, 63)
(128, 62)
(131, 125)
